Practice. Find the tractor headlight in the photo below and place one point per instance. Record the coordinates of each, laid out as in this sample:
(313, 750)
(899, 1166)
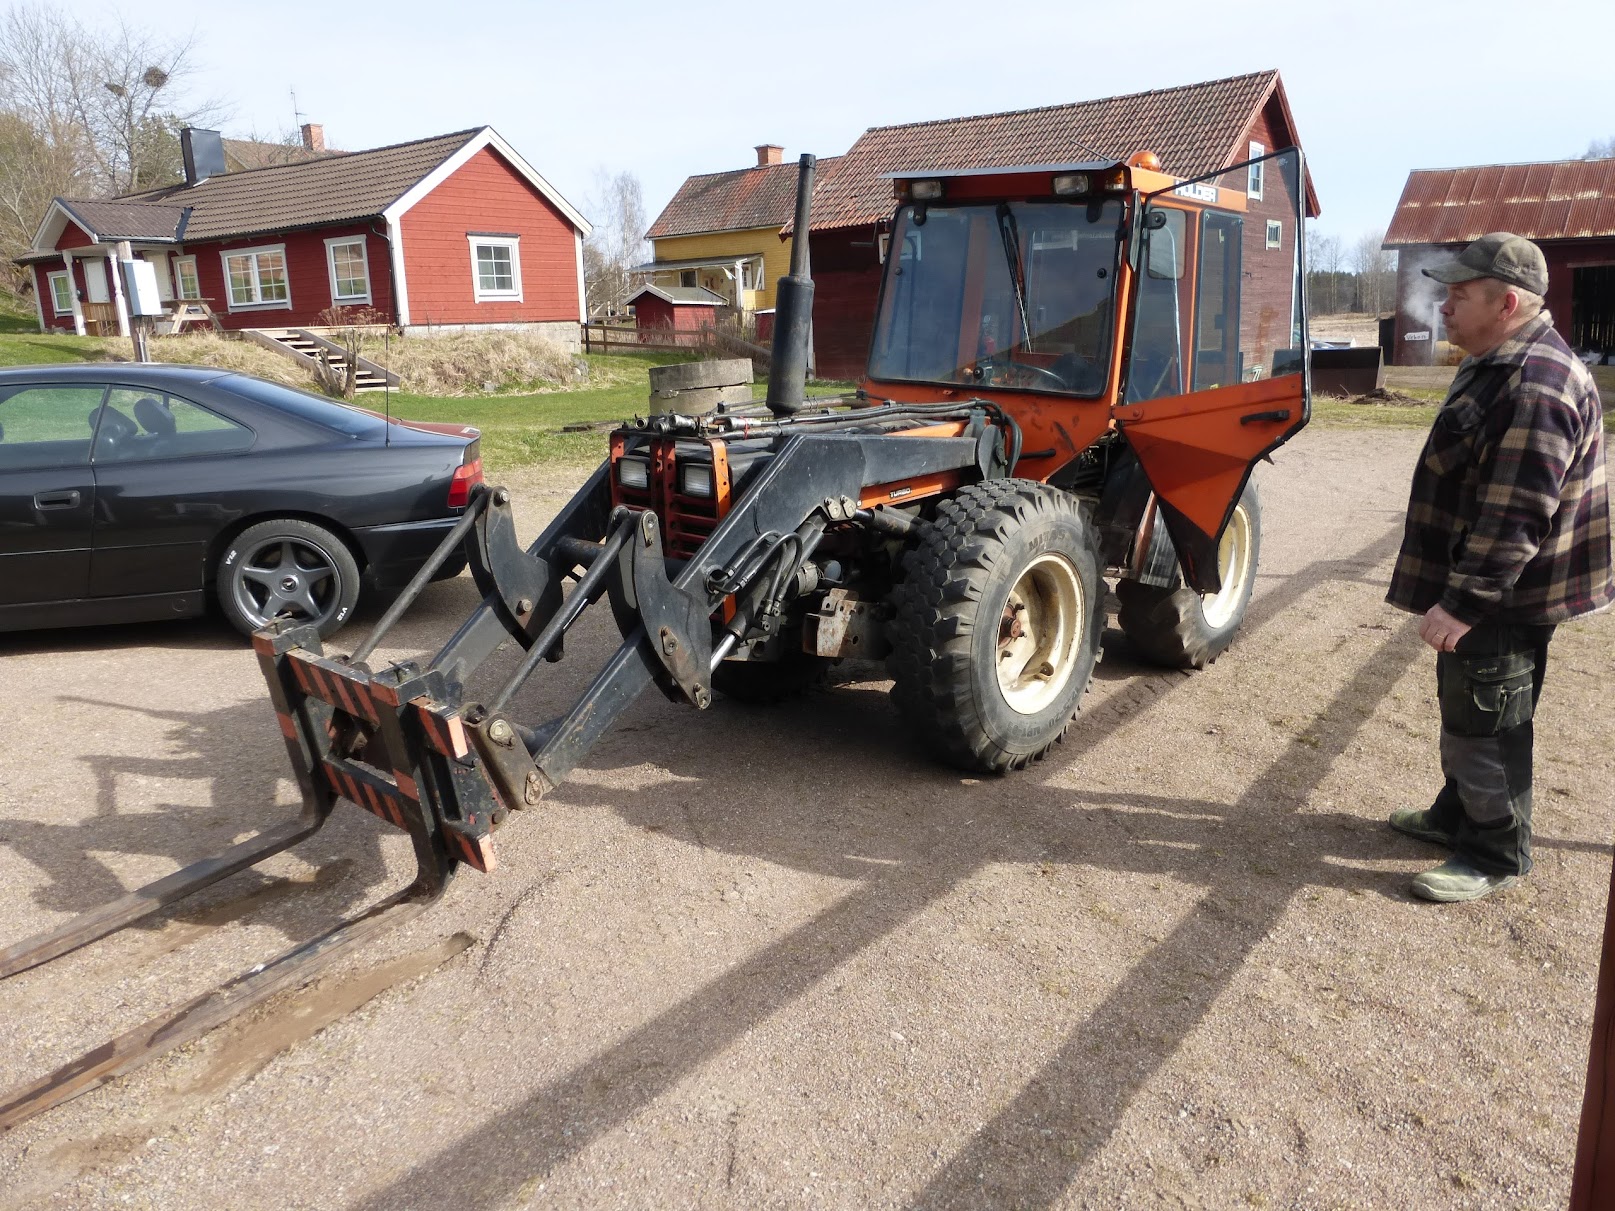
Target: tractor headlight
(1068, 183)
(695, 479)
(925, 191)
(633, 473)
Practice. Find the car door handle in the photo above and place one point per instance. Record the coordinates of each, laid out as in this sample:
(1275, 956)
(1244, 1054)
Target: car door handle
(57, 500)
(1257, 418)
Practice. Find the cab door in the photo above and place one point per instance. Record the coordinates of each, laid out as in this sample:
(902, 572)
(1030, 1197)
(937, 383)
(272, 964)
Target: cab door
(1217, 375)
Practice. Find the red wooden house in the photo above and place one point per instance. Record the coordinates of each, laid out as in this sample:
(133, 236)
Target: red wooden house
(453, 232)
(1195, 129)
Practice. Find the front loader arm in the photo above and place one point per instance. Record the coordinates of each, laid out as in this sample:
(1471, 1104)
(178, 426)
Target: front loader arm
(667, 633)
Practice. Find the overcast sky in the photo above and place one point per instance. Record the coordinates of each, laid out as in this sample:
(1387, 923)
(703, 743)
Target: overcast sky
(668, 89)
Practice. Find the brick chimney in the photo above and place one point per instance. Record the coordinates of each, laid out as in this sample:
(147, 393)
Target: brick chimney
(769, 153)
(313, 136)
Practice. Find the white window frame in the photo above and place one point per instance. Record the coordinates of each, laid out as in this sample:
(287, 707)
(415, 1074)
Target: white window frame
(513, 243)
(61, 275)
(257, 285)
(1253, 182)
(331, 245)
(179, 279)
(1275, 233)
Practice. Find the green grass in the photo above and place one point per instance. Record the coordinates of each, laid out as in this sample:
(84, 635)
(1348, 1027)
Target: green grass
(33, 348)
(520, 430)
(1337, 413)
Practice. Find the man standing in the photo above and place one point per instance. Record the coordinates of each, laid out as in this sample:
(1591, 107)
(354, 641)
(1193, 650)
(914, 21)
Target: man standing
(1507, 535)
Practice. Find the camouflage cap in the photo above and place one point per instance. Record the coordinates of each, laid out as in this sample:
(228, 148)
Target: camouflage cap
(1501, 255)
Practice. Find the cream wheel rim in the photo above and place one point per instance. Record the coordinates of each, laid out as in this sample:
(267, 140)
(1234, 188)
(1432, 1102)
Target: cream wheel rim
(1040, 633)
(1234, 568)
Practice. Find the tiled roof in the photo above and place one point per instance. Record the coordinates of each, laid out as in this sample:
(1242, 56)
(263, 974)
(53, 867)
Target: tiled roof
(1194, 128)
(333, 189)
(1560, 200)
(244, 154)
(126, 220)
(739, 200)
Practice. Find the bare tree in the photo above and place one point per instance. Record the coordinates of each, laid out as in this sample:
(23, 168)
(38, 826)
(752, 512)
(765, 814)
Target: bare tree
(1601, 149)
(1324, 259)
(616, 244)
(32, 171)
(114, 96)
(1375, 268)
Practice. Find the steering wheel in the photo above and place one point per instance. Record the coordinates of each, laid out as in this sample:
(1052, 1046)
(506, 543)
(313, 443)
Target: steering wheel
(1007, 373)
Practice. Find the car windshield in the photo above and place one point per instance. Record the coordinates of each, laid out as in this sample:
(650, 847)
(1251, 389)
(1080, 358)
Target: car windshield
(1014, 294)
(328, 413)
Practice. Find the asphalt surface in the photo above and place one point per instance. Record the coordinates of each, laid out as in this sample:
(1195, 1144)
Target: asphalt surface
(775, 958)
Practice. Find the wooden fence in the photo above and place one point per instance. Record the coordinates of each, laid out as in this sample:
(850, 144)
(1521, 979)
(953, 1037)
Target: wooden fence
(602, 338)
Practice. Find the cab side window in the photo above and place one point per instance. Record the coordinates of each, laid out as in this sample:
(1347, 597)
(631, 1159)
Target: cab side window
(47, 426)
(154, 424)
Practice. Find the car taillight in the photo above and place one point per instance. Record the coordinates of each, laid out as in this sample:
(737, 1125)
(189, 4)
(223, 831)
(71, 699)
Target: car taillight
(466, 475)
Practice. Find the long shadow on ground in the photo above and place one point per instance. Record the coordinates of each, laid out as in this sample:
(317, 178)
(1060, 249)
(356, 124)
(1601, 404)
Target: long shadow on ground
(1081, 1094)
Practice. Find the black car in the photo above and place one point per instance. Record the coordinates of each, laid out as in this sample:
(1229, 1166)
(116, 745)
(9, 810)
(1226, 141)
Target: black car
(132, 492)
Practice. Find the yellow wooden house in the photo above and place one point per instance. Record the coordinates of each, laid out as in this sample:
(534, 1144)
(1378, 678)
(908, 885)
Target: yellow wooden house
(722, 230)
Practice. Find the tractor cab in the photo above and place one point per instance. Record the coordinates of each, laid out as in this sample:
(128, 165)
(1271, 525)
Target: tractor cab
(1108, 297)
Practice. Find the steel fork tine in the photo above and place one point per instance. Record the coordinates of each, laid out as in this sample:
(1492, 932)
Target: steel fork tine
(143, 901)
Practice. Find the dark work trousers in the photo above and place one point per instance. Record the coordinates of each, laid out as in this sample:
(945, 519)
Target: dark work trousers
(1488, 689)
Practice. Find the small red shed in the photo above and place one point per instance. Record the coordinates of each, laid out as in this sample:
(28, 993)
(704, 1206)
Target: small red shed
(675, 309)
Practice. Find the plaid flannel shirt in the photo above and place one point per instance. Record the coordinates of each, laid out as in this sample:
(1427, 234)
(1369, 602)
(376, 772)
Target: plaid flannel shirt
(1508, 519)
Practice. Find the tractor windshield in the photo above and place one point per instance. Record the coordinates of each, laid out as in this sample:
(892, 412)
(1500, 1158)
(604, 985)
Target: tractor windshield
(1006, 294)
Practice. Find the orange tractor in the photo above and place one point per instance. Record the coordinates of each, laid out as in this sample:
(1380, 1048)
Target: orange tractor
(1073, 370)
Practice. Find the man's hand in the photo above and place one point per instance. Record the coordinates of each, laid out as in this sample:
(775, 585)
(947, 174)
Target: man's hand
(1441, 630)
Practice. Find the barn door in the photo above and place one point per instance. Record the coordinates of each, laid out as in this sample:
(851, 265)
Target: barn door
(1216, 371)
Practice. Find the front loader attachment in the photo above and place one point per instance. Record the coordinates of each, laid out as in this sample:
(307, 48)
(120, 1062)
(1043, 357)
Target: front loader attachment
(412, 744)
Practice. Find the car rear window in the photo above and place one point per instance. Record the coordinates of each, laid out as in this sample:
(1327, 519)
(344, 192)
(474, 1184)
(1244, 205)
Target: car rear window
(303, 405)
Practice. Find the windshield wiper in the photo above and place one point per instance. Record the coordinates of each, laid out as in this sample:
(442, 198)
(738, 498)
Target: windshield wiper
(1009, 231)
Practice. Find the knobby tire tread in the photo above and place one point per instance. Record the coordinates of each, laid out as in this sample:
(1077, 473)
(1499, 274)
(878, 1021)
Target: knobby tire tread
(944, 577)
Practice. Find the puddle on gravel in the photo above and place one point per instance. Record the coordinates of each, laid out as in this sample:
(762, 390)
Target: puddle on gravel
(235, 1053)
(187, 928)
(247, 1046)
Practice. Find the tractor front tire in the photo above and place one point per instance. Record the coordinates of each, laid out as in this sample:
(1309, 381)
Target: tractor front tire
(996, 624)
(1183, 629)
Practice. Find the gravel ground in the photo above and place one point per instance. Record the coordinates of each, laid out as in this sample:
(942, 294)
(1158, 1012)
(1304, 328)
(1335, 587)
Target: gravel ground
(774, 958)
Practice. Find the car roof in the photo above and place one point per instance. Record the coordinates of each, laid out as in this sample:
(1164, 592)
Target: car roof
(155, 373)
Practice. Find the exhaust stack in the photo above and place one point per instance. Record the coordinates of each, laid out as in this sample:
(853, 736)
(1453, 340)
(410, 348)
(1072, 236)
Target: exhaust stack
(793, 310)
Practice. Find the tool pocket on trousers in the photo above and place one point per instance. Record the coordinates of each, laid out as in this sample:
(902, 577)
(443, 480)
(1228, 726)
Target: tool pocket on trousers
(1484, 695)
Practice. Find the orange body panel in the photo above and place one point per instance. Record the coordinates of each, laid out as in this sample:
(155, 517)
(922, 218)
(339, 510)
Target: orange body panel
(1198, 449)
(1054, 428)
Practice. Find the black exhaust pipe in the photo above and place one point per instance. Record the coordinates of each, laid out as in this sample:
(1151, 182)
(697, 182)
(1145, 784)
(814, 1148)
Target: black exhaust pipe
(793, 310)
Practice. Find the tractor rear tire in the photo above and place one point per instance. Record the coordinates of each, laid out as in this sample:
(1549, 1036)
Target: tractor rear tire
(996, 624)
(1183, 629)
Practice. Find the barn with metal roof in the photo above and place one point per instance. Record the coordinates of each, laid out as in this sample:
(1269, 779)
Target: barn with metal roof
(1566, 206)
